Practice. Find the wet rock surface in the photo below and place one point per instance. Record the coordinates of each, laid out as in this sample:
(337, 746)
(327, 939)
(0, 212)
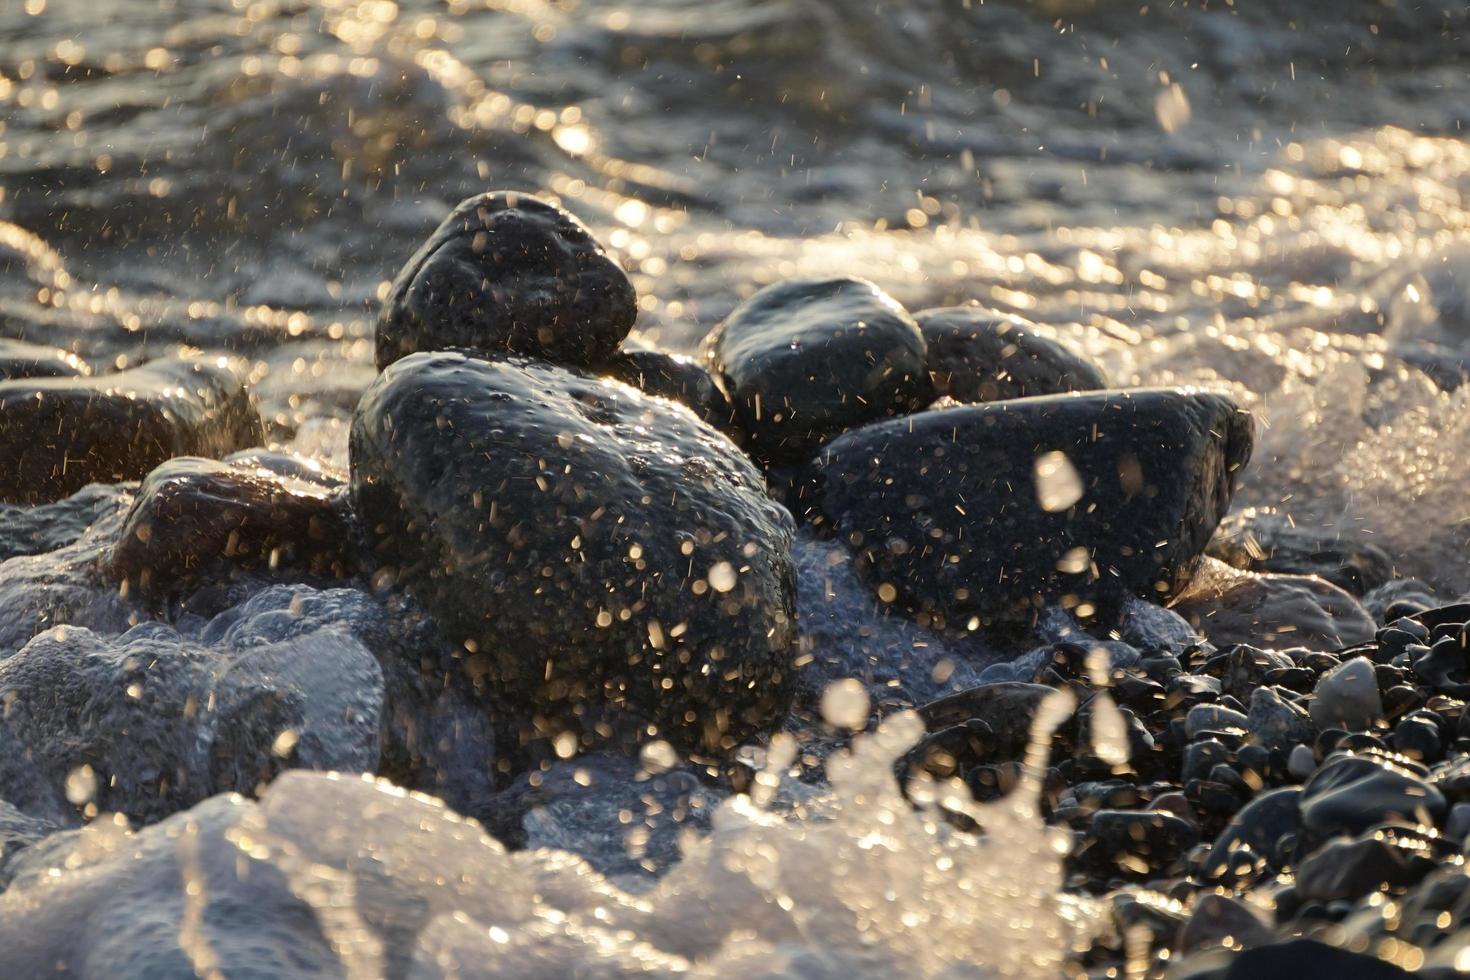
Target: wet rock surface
(596, 555)
(992, 509)
(680, 379)
(149, 723)
(508, 273)
(805, 359)
(1266, 541)
(63, 433)
(1275, 611)
(978, 355)
(197, 521)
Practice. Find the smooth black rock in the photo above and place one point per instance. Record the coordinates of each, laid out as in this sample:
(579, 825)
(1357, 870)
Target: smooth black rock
(979, 355)
(806, 359)
(974, 510)
(1265, 541)
(1138, 844)
(1303, 958)
(197, 520)
(1350, 793)
(1267, 826)
(1350, 868)
(588, 548)
(19, 359)
(679, 379)
(508, 272)
(61, 434)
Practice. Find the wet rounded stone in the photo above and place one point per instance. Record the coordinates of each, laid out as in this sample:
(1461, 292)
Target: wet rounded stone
(979, 355)
(61, 434)
(806, 359)
(19, 359)
(1138, 844)
(993, 510)
(150, 722)
(195, 521)
(508, 272)
(1263, 540)
(1349, 868)
(679, 379)
(1348, 794)
(599, 557)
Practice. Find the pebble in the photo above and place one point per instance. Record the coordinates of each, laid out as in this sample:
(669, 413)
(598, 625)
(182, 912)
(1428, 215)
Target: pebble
(979, 355)
(1277, 723)
(805, 359)
(1212, 717)
(1347, 697)
(196, 521)
(508, 273)
(1349, 794)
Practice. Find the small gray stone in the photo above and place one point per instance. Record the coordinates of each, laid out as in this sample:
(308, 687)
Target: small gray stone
(1277, 723)
(1347, 697)
(1212, 718)
(1301, 763)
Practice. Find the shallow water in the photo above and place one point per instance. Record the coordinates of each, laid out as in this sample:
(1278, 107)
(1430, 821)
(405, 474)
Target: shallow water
(1271, 200)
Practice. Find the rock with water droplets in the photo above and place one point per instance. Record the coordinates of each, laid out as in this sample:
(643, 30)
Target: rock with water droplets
(1304, 958)
(1261, 540)
(1212, 718)
(1347, 697)
(806, 359)
(1232, 606)
(150, 722)
(1217, 918)
(993, 510)
(1385, 857)
(1348, 794)
(600, 558)
(62, 433)
(979, 355)
(195, 521)
(680, 379)
(1138, 845)
(508, 273)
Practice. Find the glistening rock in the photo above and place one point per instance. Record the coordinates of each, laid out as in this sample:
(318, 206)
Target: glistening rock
(588, 548)
(508, 272)
(807, 358)
(977, 355)
(195, 520)
(991, 510)
(62, 433)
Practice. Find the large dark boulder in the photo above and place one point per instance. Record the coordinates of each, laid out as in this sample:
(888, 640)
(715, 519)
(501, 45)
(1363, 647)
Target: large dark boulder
(598, 555)
(197, 520)
(806, 359)
(979, 355)
(61, 434)
(991, 510)
(508, 272)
